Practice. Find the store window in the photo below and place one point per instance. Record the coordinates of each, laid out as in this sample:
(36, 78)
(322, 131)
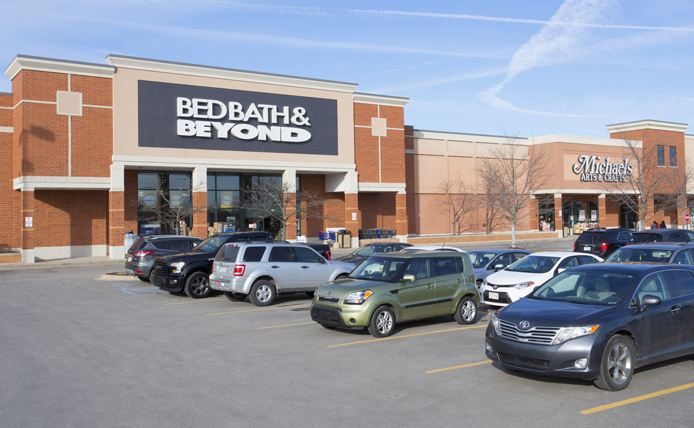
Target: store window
(673, 156)
(164, 204)
(661, 155)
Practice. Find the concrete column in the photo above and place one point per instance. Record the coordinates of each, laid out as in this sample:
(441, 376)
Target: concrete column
(27, 235)
(116, 212)
(352, 214)
(558, 220)
(401, 223)
(602, 211)
(199, 187)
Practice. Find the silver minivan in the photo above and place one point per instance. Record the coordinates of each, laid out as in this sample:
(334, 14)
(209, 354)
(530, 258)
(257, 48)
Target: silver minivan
(263, 270)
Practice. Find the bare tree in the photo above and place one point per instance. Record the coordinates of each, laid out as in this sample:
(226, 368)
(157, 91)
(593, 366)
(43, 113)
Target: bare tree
(277, 200)
(680, 179)
(170, 206)
(637, 181)
(455, 201)
(511, 173)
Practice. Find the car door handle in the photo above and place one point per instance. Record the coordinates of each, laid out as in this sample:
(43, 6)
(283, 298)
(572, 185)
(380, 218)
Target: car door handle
(275, 267)
(304, 267)
(675, 309)
(430, 285)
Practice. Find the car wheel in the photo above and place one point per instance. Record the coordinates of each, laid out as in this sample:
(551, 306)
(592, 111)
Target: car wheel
(617, 364)
(151, 277)
(235, 297)
(382, 322)
(196, 286)
(262, 293)
(466, 313)
(144, 279)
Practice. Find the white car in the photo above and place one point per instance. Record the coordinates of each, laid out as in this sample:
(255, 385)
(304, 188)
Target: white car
(433, 248)
(522, 277)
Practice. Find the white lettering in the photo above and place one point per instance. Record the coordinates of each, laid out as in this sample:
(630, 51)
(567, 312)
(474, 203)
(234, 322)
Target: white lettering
(203, 128)
(235, 111)
(222, 129)
(295, 135)
(222, 109)
(200, 105)
(185, 128)
(284, 114)
(244, 132)
(274, 133)
(252, 113)
(183, 107)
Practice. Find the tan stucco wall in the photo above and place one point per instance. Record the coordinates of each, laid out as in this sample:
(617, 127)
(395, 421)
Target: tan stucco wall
(125, 119)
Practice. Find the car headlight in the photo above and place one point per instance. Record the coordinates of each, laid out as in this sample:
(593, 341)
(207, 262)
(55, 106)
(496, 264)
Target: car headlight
(484, 282)
(523, 285)
(357, 297)
(495, 323)
(568, 333)
(178, 266)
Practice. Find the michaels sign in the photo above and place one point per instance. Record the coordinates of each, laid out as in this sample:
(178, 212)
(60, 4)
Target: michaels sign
(195, 117)
(591, 169)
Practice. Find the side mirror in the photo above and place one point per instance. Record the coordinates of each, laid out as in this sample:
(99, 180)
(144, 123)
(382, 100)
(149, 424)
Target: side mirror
(323, 261)
(408, 278)
(499, 267)
(558, 271)
(649, 300)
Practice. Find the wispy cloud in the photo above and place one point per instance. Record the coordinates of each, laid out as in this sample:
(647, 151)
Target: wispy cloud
(566, 22)
(459, 77)
(552, 44)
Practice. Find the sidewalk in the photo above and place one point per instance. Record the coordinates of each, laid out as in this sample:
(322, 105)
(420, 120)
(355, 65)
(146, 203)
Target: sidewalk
(116, 265)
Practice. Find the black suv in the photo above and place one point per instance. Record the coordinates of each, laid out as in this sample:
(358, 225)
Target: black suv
(602, 242)
(662, 235)
(189, 271)
(139, 260)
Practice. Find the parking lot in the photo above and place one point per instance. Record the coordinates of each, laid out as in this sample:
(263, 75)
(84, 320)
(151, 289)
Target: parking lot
(79, 351)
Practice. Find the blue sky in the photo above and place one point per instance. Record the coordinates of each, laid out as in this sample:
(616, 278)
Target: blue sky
(499, 67)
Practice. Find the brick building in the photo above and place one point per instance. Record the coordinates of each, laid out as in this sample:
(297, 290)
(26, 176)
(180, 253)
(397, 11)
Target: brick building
(84, 148)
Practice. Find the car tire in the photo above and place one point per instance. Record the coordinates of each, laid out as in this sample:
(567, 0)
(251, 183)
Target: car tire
(197, 286)
(466, 312)
(382, 322)
(144, 278)
(235, 297)
(262, 293)
(150, 279)
(617, 364)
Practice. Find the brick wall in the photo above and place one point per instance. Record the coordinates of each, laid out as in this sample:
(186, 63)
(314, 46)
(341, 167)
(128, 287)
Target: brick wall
(130, 201)
(333, 210)
(70, 217)
(7, 207)
(387, 163)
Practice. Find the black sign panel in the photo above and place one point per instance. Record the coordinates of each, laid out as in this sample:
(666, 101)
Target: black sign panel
(199, 117)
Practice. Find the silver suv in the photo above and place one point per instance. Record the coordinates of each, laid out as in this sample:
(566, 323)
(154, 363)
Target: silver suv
(263, 270)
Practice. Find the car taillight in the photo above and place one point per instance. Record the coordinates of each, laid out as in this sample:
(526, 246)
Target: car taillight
(142, 253)
(328, 255)
(212, 271)
(239, 270)
(574, 246)
(604, 246)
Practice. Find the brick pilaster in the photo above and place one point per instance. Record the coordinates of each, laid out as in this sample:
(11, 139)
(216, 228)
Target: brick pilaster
(401, 214)
(200, 214)
(116, 217)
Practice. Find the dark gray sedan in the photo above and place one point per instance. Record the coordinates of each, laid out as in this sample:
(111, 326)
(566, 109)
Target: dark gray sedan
(598, 322)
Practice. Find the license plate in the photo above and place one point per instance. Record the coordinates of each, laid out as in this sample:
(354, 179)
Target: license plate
(221, 269)
(586, 248)
(130, 258)
(493, 296)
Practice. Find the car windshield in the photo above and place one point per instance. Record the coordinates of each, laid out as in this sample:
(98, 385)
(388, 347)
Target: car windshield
(480, 259)
(364, 251)
(629, 254)
(384, 269)
(534, 264)
(210, 244)
(586, 287)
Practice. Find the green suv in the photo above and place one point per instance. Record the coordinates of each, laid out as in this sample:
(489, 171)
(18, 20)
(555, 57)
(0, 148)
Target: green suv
(390, 288)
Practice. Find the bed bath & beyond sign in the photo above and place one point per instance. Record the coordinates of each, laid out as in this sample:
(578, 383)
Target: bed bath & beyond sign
(591, 169)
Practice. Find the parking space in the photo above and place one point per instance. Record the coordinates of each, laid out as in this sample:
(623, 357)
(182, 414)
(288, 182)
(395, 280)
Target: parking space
(82, 352)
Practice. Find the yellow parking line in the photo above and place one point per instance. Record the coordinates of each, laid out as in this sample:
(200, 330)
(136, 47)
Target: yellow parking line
(460, 367)
(196, 301)
(406, 335)
(287, 325)
(260, 309)
(637, 399)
